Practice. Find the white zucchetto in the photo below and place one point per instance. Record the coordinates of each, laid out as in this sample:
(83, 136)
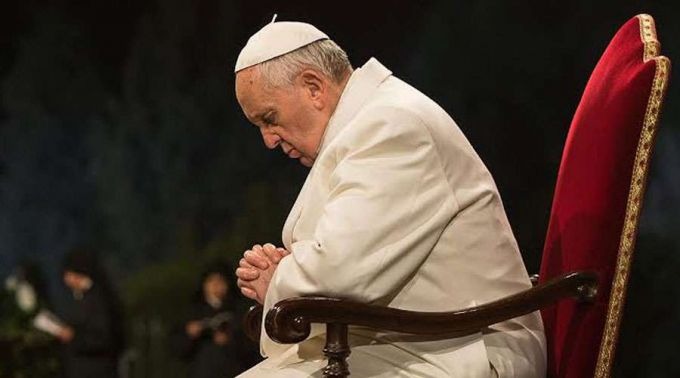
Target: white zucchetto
(276, 39)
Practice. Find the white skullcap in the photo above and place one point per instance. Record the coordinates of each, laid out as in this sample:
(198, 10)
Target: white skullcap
(276, 39)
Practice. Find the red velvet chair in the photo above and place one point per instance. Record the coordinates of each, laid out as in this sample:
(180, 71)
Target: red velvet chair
(591, 234)
(599, 192)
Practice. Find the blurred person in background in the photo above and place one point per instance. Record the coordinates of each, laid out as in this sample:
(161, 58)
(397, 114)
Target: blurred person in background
(28, 285)
(25, 350)
(208, 339)
(93, 335)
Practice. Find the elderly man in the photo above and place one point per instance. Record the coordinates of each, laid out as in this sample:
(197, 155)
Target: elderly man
(397, 210)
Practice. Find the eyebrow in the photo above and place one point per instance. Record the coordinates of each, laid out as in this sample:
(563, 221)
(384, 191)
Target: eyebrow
(261, 115)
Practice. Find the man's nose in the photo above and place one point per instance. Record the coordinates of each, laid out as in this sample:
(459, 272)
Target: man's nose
(271, 140)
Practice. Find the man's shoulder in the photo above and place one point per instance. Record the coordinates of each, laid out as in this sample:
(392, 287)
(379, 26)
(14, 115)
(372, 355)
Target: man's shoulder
(398, 111)
(398, 114)
(387, 117)
(397, 100)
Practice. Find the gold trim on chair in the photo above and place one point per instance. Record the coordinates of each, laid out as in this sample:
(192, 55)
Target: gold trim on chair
(648, 36)
(635, 196)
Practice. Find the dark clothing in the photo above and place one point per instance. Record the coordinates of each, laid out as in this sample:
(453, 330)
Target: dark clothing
(206, 358)
(93, 352)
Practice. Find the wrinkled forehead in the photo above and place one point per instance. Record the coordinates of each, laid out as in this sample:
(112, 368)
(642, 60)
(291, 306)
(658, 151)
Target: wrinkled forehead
(249, 89)
(247, 81)
(255, 96)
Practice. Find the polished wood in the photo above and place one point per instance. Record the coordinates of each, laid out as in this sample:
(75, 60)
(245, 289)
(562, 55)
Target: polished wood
(289, 321)
(336, 350)
(252, 323)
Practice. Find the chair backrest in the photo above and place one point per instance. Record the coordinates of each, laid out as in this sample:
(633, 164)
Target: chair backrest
(598, 196)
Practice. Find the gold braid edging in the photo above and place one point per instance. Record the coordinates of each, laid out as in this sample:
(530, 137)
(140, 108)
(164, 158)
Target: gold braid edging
(648, 36)
(635, 196)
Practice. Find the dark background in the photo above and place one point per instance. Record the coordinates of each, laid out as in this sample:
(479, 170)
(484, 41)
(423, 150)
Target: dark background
(119, 128)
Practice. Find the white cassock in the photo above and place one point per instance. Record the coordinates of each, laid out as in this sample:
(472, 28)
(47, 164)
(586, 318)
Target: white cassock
(398, 210)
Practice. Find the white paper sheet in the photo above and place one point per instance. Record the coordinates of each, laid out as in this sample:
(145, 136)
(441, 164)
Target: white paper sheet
(48, 322)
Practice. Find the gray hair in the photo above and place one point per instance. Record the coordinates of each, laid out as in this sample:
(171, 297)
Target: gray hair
(324, 56)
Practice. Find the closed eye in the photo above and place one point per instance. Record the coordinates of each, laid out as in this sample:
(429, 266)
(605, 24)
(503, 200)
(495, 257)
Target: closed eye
(269, 118)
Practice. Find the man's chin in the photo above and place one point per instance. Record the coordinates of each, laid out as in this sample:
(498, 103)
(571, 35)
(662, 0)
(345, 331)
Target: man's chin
(307, 162)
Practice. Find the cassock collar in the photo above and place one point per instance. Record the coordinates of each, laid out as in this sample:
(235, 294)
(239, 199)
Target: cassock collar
(360, 86)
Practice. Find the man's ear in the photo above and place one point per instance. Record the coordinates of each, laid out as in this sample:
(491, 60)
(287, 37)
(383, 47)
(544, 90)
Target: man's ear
(314, 85)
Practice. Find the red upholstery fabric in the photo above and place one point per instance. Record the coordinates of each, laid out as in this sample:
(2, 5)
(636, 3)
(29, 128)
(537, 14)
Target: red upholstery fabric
(591, 195)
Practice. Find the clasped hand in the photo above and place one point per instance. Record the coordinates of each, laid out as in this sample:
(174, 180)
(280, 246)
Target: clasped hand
(256, 269)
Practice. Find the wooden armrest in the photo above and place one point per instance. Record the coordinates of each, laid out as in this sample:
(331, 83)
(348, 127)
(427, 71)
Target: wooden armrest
(252, 322)
(289, 320)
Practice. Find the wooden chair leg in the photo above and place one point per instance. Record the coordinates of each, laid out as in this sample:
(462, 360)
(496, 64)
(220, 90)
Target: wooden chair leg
(336, 350)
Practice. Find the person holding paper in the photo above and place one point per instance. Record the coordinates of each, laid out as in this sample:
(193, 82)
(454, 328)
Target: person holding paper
(208, 339)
